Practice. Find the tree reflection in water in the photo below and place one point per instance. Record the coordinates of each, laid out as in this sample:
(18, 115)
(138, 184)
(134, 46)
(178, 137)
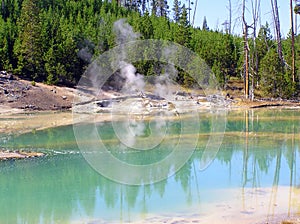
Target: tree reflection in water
(260, 154)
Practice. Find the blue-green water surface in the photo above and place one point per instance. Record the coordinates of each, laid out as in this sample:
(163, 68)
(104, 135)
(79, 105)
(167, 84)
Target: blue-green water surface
(260, 148)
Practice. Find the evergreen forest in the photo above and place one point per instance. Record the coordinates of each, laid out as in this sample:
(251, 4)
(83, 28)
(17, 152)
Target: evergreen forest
(42, 40)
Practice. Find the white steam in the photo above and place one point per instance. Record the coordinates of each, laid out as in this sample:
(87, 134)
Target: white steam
(134, 82)
(165, 81)
(124, 32)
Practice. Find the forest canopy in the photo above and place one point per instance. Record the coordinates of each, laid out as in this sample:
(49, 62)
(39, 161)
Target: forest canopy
(53, 41)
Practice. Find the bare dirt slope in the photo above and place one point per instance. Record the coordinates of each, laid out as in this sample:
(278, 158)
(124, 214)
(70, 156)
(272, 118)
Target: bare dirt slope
(22, 94)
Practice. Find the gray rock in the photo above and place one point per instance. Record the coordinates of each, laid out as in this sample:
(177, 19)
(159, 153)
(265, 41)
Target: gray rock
(4, 75)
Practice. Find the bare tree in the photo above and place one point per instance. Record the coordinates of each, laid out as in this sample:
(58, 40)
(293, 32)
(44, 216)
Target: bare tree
(255, 8)
(250, 55)
(295, 26)
(295, 23)
(230, 16)
(277, 29)
(189, 11)
(293, 40)
(246, 52)
(297, 12)
(194, 15)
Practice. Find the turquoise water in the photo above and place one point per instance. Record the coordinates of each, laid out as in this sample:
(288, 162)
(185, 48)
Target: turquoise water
(260, 149)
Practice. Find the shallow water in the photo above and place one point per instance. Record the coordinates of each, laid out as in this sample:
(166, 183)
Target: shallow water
(255, 174)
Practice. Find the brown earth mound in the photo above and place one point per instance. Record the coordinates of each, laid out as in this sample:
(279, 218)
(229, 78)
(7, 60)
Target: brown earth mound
(22, 94)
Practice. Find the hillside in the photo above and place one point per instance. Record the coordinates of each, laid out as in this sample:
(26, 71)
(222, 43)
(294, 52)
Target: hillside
(26, 95)
(54, 41)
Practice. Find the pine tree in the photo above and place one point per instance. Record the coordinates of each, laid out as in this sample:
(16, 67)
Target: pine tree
(28, 47)
(3, 44)
(163, 8)
(205, 26)
(160, 8)
(154, 7)
(273, 80)
(144, 6)
(52, 66)
(183, 34)
(146, 27)
(263, 44)
(176, 11)
(183, 37)
(7, 37)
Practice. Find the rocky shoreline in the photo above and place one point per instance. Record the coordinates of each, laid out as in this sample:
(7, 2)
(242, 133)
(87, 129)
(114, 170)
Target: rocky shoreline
(28, 106)
(19, 96)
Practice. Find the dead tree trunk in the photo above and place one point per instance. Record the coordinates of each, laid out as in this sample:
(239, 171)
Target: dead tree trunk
(295, 23)
(293, 40)
(246, 53)
(255, 16)
(194, 15)
(189, 11)
(230, 16)
(277, 29)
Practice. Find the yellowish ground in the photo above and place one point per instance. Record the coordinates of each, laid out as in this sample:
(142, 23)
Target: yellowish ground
(25, 122)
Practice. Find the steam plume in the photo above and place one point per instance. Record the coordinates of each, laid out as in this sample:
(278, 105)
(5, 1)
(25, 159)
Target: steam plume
(134, 82)
(124, 32)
